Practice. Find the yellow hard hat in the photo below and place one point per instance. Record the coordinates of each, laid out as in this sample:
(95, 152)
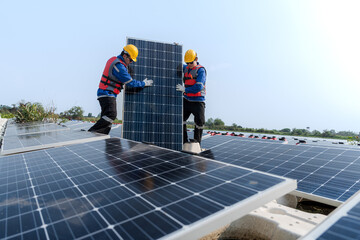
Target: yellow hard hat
(132, 51)
(190, 56)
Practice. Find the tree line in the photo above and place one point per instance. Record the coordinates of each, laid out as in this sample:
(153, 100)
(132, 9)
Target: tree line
(218, 124)
(27, 111)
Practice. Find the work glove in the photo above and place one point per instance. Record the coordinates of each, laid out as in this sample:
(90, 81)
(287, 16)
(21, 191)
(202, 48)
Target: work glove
(180, 88)
(148, 82)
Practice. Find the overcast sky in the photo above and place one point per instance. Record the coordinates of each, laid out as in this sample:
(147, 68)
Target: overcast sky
(270, 64)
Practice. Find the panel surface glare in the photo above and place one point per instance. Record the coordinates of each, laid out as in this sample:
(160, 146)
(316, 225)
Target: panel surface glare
(13, 129)
(29, 142)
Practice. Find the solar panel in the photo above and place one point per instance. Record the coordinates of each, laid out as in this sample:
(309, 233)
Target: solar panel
(294, 140)
(116, 131)
(79, 125)
(30, 128)
(120, 189)
(154, 114)
(324, 174)
(36, 141)
(343, 223)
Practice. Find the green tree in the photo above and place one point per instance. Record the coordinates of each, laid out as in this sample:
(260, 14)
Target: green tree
(285, 130)
(30, 112)
(300, 132)
(218, 122)
(328, 134)
(75, 112)
(316, 133)
(210, 122)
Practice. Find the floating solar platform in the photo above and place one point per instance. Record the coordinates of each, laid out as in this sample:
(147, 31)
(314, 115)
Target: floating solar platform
(36, 141)
(324, 174)
(120, 189)
(343, 223)
(154, 114)
(31, 128)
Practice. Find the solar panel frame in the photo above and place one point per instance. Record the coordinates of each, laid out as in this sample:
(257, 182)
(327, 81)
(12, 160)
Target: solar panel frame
(343, 223)
(90, 190)
(314, 165)
(154, 114)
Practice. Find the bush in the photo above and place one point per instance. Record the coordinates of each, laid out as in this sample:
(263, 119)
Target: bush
(74, 113)
(7, 115)
(30, 112)
(354, 140)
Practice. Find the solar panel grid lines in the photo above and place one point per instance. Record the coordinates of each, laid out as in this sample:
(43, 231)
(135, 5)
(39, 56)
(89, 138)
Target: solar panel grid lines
(38, 210)
(154, 114)
(343, 223)
(183, 196)
(85, 197)
(76, 190)
(324, 174)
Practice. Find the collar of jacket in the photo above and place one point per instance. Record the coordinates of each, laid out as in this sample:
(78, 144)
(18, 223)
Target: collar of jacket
(121, 58)
(197, 64)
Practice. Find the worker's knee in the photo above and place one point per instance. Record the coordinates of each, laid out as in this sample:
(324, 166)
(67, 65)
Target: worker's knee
(109, 116)
(199, 126)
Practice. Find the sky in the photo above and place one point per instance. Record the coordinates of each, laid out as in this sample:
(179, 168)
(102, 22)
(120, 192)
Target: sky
(270, 64)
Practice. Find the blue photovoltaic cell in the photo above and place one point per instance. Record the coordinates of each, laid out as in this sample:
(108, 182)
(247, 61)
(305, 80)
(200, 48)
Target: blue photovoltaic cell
(331, 173)
(120, 189)
(343, 223)
(154, 114)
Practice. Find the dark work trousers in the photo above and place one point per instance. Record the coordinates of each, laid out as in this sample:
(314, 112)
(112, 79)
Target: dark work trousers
(108, 115)
(198, 110)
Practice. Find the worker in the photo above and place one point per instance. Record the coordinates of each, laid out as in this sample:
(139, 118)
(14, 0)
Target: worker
(115, 76)
(194, 94)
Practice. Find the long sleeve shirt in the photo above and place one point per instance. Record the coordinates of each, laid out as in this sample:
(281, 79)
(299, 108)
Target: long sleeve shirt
(197, 87)
(122, 74)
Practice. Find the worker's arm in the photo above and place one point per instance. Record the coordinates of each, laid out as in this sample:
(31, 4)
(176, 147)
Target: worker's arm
(121, 73)
(200, 82)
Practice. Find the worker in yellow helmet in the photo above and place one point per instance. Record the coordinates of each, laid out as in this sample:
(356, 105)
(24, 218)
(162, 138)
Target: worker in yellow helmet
(194, 94)
(114, 77)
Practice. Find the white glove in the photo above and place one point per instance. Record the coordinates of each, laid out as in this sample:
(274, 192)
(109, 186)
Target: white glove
(148, 82)
(180, 88)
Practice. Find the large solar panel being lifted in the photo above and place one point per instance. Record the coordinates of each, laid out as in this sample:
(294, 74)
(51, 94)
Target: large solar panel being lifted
(343, 223)
(119, 189)
(324, 174)
(36, 141)
(154, 114)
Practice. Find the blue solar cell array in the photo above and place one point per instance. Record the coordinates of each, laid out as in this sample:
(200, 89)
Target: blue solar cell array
(331, 173)
(119, 189)
(343, 223)
(154, 114)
